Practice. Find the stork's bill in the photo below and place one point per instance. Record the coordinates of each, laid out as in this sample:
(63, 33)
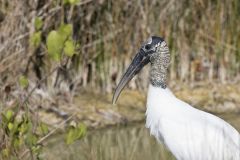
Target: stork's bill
(155, 51)
(140, 60)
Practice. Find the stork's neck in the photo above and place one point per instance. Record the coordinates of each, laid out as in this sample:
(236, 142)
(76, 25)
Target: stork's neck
(159, 104)
(158, 76)
(159, 64)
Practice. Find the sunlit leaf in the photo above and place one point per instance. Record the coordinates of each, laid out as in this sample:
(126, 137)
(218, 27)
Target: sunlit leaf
(73, 2)
(38, 23)
(65, 30)
(23, 81)
(35, 39)
(17, 142)
(44, 128)
(9, 114)
(54, 45)
(56, 41)
(31, 139)
(5, 152)
(75, 133)
(14, 128)
(69, 48)
(82, 129)
(70, 136)
(36, 149)
(10, 126)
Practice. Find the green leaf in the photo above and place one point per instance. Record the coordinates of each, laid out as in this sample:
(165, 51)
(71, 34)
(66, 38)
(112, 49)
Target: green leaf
(75, 133)
(70, 136)
(36, 149)
(82, 129)
(23, 81)
(17, 142)
(9, 114)
(5, 152)
(69, 48)
(44, 128)
(72, 2)
(24, 128)
(56, 41)
(10, 126)
(65, 30)
(38, 23)
(54, 45)
(14, 128)
(31, 139)
(35, 39)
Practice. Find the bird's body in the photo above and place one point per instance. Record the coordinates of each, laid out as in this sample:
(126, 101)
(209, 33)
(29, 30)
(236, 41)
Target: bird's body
(189, 133)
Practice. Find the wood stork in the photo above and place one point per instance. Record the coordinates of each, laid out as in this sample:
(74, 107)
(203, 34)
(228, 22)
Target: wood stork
(189, 133)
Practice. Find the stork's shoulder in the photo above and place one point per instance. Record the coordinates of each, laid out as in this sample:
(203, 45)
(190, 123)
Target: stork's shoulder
(163, 102)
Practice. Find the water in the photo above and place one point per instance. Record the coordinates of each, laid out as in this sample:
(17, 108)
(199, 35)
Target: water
(116, 143)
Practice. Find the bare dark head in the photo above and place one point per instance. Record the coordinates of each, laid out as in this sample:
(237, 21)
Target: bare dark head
(155, 51)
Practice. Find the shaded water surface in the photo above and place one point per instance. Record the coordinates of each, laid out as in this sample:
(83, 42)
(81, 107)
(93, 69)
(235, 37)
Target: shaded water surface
(116, 143)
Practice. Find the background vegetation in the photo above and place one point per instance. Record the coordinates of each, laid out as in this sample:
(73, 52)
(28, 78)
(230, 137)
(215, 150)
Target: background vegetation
(56, 49)
(203, 37)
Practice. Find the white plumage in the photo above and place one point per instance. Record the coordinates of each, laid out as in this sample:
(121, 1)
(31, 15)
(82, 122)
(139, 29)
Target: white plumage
(189, 133)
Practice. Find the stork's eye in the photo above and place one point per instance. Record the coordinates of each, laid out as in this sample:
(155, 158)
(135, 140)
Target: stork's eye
(148, 46)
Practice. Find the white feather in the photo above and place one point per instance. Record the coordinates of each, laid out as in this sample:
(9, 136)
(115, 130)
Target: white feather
(189, 133)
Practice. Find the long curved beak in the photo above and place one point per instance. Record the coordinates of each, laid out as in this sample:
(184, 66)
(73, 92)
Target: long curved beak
(139, 61)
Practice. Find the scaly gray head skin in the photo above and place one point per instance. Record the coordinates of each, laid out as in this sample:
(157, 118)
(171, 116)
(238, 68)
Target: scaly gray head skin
(155, 51)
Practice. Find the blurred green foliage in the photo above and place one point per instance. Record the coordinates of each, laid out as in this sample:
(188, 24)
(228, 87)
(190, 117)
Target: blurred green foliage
(19, 135)
(75, 133)
(72, 2)
(59, 41)
(38, 23)
(22, 133)
(35, 39)
(23, 81)
(69, 48)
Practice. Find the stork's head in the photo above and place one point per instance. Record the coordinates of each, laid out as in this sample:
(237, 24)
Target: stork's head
(155, 51)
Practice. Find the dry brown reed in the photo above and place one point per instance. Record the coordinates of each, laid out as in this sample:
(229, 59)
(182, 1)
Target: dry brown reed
(203, 36)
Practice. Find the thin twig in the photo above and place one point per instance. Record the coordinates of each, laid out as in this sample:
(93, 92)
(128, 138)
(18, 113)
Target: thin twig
(39, 82)
(48, 135)
(57, 8)
(14, 41)
(54, 130)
